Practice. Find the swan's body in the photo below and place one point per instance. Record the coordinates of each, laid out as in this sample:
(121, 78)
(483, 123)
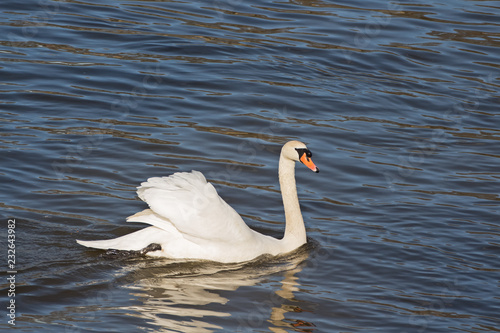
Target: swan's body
(189, 220)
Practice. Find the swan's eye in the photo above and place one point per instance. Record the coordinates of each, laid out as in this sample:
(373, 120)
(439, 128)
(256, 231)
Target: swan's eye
(302, 151)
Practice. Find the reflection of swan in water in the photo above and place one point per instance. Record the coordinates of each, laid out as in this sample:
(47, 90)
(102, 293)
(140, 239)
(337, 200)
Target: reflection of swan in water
(288, 286)
(191, 296)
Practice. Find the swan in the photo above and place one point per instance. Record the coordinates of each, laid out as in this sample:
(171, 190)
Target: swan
(189, 220)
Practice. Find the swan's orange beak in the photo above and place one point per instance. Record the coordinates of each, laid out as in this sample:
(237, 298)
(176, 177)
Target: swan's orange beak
(308, 162)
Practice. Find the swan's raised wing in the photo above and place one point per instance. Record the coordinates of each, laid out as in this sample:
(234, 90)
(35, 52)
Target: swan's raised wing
(186, 201)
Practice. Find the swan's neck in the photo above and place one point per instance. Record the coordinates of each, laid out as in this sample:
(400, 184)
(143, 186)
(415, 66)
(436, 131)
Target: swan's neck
(295, 231)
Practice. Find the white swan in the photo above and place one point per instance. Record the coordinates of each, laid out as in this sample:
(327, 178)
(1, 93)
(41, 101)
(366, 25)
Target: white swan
(189, 220)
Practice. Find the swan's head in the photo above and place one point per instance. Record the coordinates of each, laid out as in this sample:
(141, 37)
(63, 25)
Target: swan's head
(297, 151)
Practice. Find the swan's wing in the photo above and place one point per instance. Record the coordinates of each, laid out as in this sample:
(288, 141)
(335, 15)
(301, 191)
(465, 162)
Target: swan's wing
(150, 217)
(188, 202)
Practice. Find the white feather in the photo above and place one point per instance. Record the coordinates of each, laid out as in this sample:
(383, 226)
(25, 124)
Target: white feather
(186, 201)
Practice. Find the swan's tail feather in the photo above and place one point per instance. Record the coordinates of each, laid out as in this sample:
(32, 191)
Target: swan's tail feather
(135, 241)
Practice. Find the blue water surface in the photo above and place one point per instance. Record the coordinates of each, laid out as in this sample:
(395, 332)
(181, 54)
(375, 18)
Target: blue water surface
(398, 101)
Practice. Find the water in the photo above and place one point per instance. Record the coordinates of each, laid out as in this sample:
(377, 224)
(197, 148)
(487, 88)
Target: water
(397, 101)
